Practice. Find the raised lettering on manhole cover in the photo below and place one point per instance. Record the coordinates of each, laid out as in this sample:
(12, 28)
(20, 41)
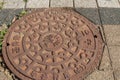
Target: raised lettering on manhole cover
(52, 44)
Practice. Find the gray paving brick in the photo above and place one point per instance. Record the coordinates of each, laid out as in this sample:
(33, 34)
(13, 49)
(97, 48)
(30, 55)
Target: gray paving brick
(6, 15)
(90, 13)
(112, 33)
(61, 3)
(109, 3)
(115, 56)
(38, 4)
(110, 16)
(101, 75)
(14, 4)
(85, 3)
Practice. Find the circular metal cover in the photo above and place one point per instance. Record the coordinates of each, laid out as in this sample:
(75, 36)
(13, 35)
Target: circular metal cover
(52, 44)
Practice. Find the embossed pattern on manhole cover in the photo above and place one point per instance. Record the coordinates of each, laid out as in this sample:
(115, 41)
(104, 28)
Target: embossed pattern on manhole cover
(52, 44)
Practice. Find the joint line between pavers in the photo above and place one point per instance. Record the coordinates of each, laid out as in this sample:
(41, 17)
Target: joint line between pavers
(114, 75)
(104, 35)
(25, 6)
(119, 2)
(101, 23)
(49, 3)
(73, 3)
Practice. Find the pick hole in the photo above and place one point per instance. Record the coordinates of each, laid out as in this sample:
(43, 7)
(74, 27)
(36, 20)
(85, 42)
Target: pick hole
(8, 44)
(95, 36)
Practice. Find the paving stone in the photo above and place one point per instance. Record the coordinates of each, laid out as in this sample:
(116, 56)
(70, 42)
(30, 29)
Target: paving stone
(112, 33)
(110, 15)
(100, 75)
(4, 73)
(6, 15)
(61, 3)
(105, 62)
(85, 3)
(117, 74)
(14, 4)
(90, 13)
(38, 4)
(108, 3)
(3, 76)
(1, 0)
(115, 56)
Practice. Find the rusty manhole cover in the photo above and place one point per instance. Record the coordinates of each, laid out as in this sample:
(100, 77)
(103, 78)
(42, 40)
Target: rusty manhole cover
(52, 44)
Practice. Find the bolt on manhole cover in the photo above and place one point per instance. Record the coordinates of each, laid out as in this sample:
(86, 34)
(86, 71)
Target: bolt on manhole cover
(52, 44)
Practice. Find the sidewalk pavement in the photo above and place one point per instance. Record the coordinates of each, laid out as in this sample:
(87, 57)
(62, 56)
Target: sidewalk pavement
(104, 13)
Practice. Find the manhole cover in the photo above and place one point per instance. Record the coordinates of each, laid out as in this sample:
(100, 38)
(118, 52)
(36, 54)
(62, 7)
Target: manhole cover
(52, 44)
